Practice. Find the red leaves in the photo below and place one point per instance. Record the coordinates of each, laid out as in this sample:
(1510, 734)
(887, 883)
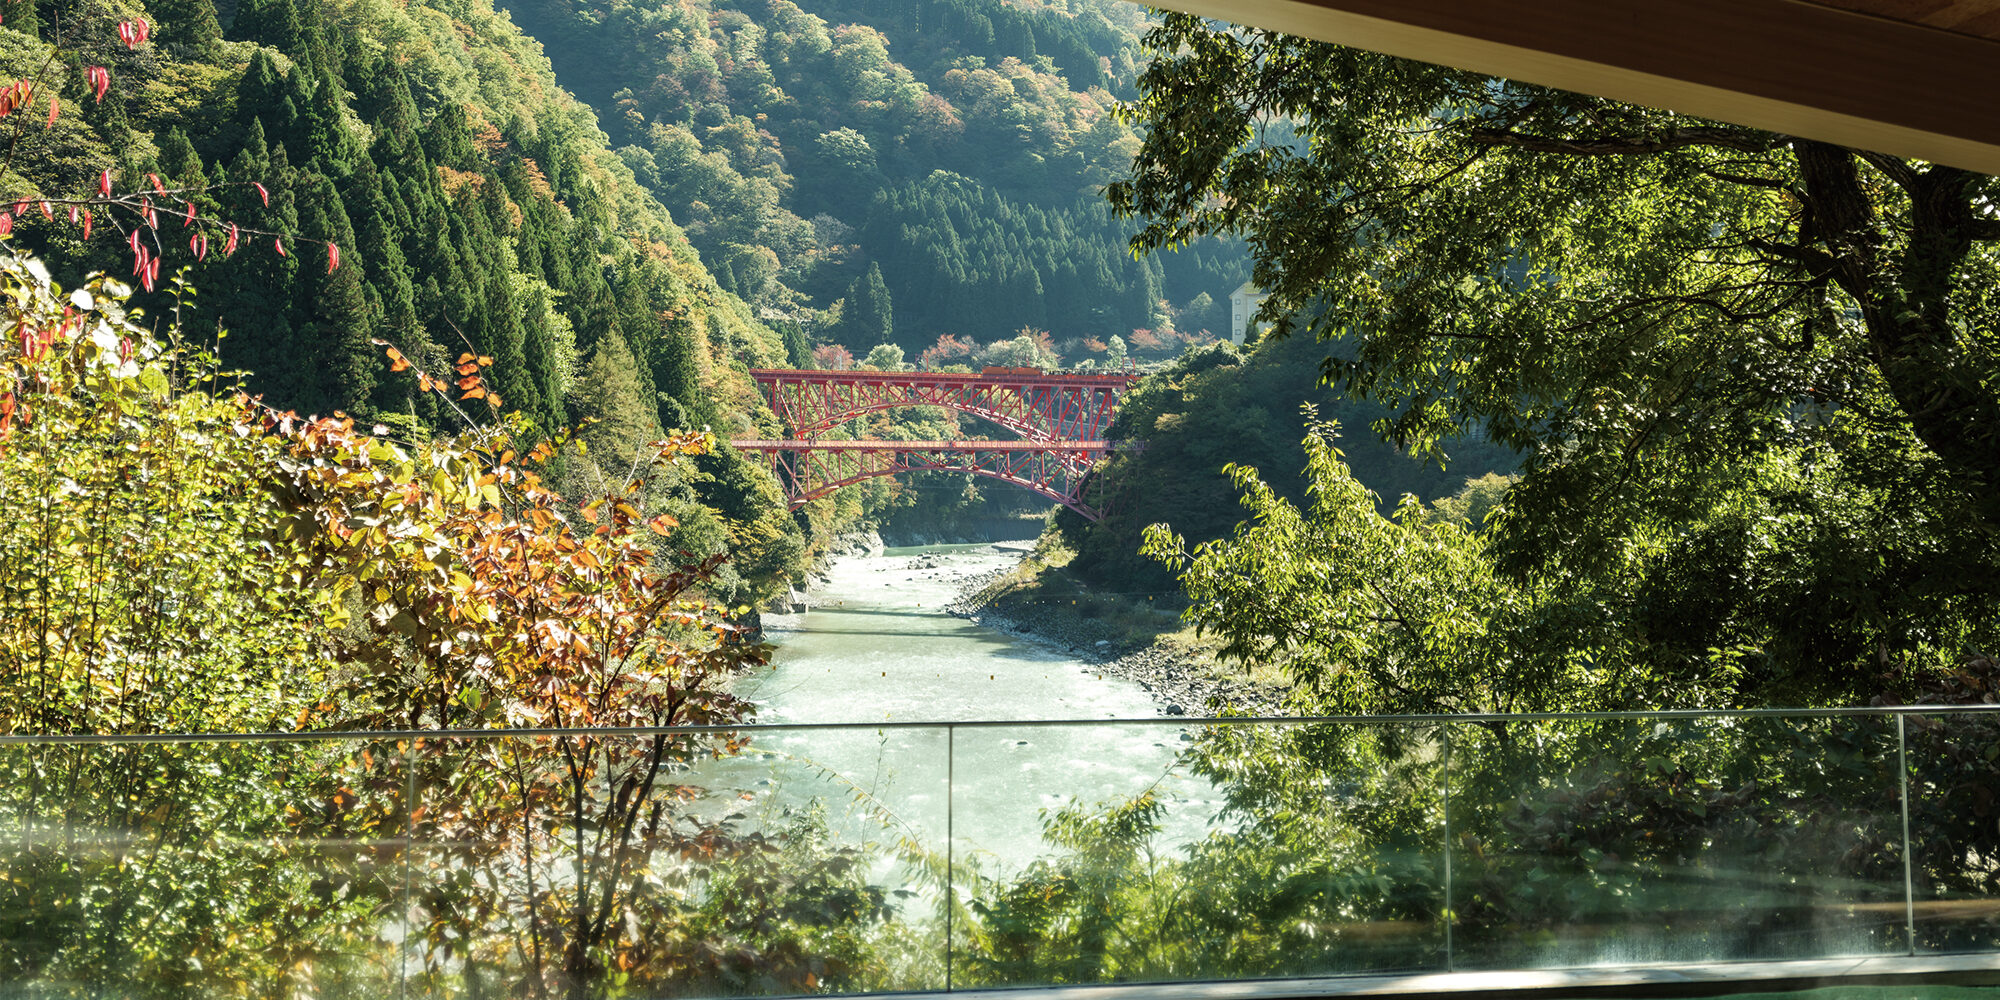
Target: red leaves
(279, 242)
(262, 193)
(229, 248)
(134, 33)
(99, 79)
(104, 184)
(55, 108)
(17, 96)
(87, 217)
(198, 245)
(191, 213)
(144, 263)
(332, 257)
(6, 223)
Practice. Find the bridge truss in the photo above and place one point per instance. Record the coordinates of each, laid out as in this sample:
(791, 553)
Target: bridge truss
(809, 468)
(1038, 406)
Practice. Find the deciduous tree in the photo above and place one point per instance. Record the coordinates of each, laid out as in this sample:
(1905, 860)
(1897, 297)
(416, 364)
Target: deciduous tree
(1657, 310)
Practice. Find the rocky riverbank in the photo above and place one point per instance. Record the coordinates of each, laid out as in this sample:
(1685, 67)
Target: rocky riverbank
(1183, 684)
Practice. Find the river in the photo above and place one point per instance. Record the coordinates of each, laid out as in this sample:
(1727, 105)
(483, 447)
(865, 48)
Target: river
(878, 648)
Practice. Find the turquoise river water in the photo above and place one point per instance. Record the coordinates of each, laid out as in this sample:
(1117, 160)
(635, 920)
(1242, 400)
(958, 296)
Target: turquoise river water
(877, 647)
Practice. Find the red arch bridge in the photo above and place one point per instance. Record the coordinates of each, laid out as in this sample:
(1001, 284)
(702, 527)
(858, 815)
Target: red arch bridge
(1061, 419)
(1040, 406)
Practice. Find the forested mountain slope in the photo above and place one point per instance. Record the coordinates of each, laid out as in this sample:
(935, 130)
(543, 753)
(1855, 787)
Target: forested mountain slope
(478, 206)
(957, 147)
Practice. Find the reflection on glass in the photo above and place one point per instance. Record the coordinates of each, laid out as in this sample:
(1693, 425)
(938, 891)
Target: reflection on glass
(1628, 841)
(552, 864)
(781, 860)
(1136, 852)
(202, 869)
(1954, 767)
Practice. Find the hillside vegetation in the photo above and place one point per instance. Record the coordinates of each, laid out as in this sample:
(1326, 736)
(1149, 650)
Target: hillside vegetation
(955, 148)
(480, 210)
(1221, 405)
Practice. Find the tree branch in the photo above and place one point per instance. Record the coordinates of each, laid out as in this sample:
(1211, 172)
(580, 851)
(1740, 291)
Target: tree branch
(1713, 138)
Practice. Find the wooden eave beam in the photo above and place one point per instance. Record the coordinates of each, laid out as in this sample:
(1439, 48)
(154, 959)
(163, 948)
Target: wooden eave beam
(1798, 68)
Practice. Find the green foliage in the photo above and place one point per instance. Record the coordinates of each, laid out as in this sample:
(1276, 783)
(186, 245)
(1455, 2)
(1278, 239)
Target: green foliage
(1735, 606)
(611, 397)
(866, 319)
(885, 357)
(957, 146)
(1572, 842)
(1365, 614)
(475, 202)
(135, 500)
(1217, 405)
(139, 594)
(1714, 347)
(1468, 507)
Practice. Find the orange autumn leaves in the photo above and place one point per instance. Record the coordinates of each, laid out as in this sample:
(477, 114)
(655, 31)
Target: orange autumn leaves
(469, 382)
(515, 606)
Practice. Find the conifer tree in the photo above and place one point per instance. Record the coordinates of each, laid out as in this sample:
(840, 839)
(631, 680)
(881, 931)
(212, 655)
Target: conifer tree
(257, 304)
(798, 348)
(179, 161)
(340, 365)
(866, 320)
(268, 22)
(189, 27)
(610, 395)
(542, 356)
(676, 374)
(391, 114)
(322, 127)
(447, 139)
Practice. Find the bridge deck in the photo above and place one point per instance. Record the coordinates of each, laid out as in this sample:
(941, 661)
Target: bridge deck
(970, 445)
(861, 377)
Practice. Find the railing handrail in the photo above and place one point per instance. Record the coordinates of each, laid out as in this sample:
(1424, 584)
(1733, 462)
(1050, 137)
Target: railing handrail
(1164, 721)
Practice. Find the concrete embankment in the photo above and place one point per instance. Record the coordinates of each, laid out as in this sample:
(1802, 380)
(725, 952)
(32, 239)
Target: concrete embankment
(1185, 682)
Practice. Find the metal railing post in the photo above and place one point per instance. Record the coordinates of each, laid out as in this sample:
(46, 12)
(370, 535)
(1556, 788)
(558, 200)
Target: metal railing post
(1909, 880)
(950, 848)
(409, 844)
(1450, 912)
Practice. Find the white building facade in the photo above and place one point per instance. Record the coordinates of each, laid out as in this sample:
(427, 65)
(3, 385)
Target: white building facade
(1243, 303)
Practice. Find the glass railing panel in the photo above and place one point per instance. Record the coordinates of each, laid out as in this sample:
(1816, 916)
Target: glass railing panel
(1384, 909)
(775, 863)
(1132, 852)
(1954, 765)
(215, 869)
(1636, 841)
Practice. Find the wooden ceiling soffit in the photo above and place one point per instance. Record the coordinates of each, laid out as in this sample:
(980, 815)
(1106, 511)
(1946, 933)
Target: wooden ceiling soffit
(1852, 77)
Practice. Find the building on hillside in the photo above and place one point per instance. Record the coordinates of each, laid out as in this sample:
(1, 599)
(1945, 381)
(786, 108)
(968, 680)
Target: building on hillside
(1243, 303)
